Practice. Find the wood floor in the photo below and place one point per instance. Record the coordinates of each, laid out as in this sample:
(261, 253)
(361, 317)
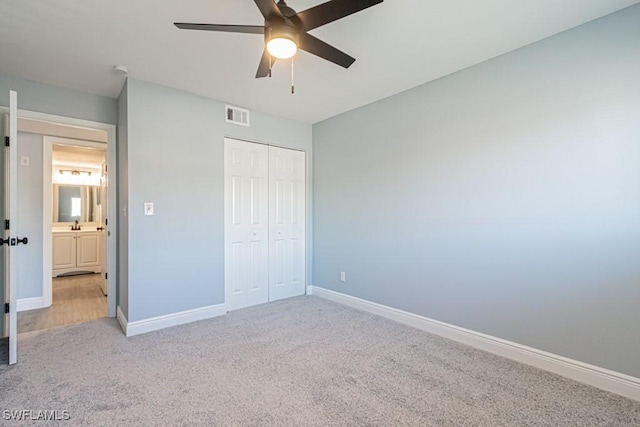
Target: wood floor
(76, 299)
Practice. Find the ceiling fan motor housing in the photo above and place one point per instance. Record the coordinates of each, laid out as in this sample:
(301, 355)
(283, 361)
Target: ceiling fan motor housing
(282, 30)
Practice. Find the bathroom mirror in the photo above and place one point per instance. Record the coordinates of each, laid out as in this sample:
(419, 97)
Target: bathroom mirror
(75, 203)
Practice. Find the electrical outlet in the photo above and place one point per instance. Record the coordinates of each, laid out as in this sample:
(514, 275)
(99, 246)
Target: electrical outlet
(25, 161)
(343, 276)
(148, 208)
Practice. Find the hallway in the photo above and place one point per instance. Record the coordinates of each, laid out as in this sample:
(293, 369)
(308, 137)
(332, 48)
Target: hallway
(76, 299)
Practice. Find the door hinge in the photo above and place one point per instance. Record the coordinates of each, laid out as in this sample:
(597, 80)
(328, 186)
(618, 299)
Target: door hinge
(106, 221)
(106, 276)
(6, 141)
(6, 307)
(6, 224)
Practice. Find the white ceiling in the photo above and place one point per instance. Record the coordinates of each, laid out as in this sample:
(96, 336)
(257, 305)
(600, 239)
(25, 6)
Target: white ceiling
(80, 157)
(398, 44)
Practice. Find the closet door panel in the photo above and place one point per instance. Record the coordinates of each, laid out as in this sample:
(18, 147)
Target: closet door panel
(287, 201)
(246, 223)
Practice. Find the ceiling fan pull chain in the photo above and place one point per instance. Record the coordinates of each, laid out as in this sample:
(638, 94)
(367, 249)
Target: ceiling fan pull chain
(270, 57)
(293, 90)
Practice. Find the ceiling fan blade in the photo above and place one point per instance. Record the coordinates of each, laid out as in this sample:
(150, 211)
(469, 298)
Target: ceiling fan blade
(263, 68)
(248, 29)
(269, 9)
(330, 11)
(319, 48)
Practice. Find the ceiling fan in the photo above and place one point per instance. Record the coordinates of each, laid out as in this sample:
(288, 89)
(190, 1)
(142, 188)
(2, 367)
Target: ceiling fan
(285, 30)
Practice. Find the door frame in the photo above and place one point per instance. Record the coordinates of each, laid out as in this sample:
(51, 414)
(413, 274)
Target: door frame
(47, 221)
(112, 177)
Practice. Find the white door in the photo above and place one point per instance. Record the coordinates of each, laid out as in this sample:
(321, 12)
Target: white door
(103, 227)
(246, 213)
(287, 265)
(11, 242)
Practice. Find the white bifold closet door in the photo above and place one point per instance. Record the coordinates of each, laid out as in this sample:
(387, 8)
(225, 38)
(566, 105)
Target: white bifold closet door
(286, 223)
(246, 223)
(264, 223)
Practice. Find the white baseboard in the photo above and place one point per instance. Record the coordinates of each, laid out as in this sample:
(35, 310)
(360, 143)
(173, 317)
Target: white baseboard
(122, 319)
(605, 379)
(34, 303)
(174, 319)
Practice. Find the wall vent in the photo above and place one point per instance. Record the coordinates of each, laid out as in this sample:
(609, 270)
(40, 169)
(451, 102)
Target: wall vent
(237, 115)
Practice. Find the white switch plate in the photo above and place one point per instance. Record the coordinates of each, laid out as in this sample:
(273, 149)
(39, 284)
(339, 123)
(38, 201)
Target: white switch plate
(148, 208)
(343, 276)
(25, 161)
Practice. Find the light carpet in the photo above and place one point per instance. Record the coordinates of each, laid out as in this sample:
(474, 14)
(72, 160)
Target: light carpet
(299, 362)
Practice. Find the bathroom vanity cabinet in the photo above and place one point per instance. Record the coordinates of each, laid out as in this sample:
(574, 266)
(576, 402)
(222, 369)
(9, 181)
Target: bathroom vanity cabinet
(76, 251)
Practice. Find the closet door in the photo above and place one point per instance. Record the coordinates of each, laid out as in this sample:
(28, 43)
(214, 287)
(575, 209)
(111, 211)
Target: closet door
(246, 223)
(287, 191)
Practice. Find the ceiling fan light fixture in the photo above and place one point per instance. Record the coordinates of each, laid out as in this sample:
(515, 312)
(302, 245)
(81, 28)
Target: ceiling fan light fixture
(282, 47)
(282, 41)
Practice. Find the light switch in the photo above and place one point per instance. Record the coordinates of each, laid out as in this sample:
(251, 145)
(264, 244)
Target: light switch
(148, 208)
(25, 161)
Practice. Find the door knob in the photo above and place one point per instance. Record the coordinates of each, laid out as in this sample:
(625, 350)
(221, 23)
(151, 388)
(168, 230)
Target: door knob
(12, 241)
(100, 228)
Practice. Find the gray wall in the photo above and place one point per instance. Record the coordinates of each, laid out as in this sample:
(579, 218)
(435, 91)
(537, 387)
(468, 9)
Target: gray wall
(175, 159)
(123, 195)
(504, 198)
(30, 220)
(43, 98)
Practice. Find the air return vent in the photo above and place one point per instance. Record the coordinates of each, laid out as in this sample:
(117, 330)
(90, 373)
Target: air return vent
(236, 115)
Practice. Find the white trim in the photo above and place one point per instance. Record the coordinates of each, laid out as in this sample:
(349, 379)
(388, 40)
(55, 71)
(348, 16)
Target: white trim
(173, 319)
(122, 319)
(34, 303)
(47, 237)
(605, 379)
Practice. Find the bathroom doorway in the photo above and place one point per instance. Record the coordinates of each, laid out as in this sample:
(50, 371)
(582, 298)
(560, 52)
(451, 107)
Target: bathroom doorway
(78, 182)
(72, 241)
